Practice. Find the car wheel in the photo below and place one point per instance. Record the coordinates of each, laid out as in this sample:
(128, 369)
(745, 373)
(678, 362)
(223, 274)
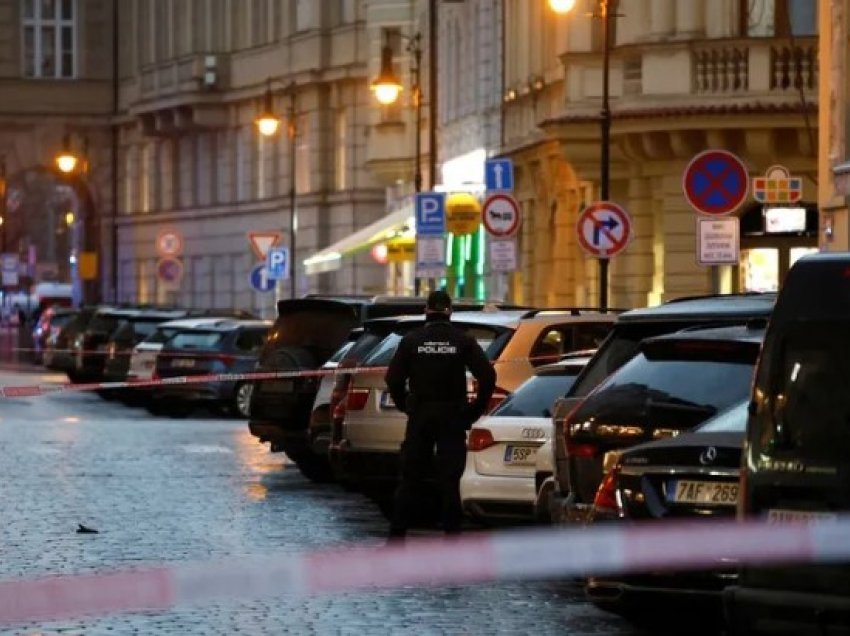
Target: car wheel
(242, 399)
(315, 468)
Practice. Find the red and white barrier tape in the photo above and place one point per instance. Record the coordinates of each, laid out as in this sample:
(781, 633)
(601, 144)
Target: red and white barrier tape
(478, 558)
(37, 390)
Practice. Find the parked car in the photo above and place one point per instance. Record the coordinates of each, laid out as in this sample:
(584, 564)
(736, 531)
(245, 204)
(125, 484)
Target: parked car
(675, 383)
(622, 345)
(307, 332)
(47, 329)
(58, 352)
(796, 465)
(516, 342)
(89, 346)
(143, 357)
(129, 333)
(693, 475)
(498, 483)
(229, 346)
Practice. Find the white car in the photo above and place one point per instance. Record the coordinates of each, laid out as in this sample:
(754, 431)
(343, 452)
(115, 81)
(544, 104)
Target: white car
(143, 359)
(499, 481)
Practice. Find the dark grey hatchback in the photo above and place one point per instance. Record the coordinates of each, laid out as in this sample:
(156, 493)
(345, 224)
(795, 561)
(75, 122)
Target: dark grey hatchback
(229, 346)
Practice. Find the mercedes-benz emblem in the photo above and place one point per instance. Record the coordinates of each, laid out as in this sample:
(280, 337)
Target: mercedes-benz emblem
(708, 456)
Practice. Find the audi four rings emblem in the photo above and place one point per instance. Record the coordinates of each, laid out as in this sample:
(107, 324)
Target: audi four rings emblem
(533, 433)
(708, 456)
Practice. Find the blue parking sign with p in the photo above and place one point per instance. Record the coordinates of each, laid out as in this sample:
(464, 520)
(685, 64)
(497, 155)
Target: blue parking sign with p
(277, 263)
(430, 213)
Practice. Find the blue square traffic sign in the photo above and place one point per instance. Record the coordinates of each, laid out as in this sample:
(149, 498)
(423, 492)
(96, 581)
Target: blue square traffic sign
(430, 213)
(277, 263)
(499, 174)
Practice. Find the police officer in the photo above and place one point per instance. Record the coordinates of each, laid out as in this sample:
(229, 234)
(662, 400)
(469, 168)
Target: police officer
(427, 380)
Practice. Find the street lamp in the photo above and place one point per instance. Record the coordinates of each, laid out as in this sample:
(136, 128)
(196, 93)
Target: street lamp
(66, 160)
(607, 10)
(387, 88)
(268, 124)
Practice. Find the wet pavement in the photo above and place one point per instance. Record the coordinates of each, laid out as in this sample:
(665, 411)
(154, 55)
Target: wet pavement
(200, 488)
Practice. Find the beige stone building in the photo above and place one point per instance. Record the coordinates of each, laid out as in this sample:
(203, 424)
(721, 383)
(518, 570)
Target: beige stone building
(55, 88)
(686, 76)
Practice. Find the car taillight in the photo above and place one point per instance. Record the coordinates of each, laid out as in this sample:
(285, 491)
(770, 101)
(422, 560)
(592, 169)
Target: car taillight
(226, 360)
(356, 400)
(581, 450)
(479, 439)
(496, 399)
(606, 495)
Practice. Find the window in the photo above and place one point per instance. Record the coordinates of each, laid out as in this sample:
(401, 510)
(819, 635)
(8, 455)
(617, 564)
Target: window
(341, 151)
(196, 340)
(766, 18)
(49, 38)
(306, 15)
(251, 341)
(302, 155)
(535, 397)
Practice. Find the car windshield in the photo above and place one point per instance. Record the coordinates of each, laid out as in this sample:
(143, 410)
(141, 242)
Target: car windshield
(732, 420)
(535, 397)
(341, 352)
(160, 335)
(103, 323)
(196, 340)
(491, 339)
(144, 328)
(673, 384)
(808, 386)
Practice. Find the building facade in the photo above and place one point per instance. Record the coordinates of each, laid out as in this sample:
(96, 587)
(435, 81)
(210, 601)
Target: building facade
(193, 79)
(56, 85)
(685, 76)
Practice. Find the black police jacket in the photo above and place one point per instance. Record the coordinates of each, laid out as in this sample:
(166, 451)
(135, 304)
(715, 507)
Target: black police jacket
(430, 366)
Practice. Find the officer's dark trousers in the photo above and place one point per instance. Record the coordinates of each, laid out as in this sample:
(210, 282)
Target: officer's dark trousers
(431, 425)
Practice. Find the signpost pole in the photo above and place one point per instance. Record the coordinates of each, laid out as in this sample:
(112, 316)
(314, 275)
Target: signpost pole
(607, 7)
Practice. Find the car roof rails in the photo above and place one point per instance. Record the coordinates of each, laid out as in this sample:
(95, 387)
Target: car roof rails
(682, 299)
(575, 311)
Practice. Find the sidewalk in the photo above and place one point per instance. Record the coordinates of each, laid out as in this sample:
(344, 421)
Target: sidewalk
(12, 340)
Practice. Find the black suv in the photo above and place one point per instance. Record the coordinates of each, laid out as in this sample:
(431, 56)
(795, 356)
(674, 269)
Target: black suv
(622, 345)
(796, 463)
(130, 332)
(672, 385)
(89, 347)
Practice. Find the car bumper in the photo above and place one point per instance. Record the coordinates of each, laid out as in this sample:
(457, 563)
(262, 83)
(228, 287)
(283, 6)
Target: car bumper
(360, 467)
(497, 497)
(761, 611)
(291, 441)
(207, 392)
(702, 590)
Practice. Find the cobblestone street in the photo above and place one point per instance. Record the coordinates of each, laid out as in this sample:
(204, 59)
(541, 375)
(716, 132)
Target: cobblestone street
(198, 489)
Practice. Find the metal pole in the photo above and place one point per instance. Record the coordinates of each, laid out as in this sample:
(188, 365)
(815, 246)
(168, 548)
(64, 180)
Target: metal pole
(415, 48)
(417, 102)
(432, 92)
(607, 7)
(3, 218)
(293, 210)
(113, 235)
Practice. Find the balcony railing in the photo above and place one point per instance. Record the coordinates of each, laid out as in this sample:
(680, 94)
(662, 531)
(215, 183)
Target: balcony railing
(754, 65)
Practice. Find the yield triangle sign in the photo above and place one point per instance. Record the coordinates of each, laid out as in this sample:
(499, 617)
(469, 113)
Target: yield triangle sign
(262, 242)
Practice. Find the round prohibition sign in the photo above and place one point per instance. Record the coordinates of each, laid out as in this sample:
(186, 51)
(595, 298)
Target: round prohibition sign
(716, 182)
(169, 243)
(604, 229)
(501, 215)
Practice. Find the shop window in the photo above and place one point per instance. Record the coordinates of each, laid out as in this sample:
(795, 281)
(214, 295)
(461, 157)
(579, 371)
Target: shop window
(49, 38)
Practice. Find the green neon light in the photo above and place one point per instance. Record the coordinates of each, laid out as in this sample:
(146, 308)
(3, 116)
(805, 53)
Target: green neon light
(450, 241)
(479, 265)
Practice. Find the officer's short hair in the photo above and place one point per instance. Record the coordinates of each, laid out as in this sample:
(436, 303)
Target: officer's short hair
(438, 301)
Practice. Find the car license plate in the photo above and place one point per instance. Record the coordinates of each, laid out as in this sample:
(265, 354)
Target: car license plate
(798, 516)
(521, 455)
(717, 493)
(182, 364)
(387, 401)
(278, 386)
